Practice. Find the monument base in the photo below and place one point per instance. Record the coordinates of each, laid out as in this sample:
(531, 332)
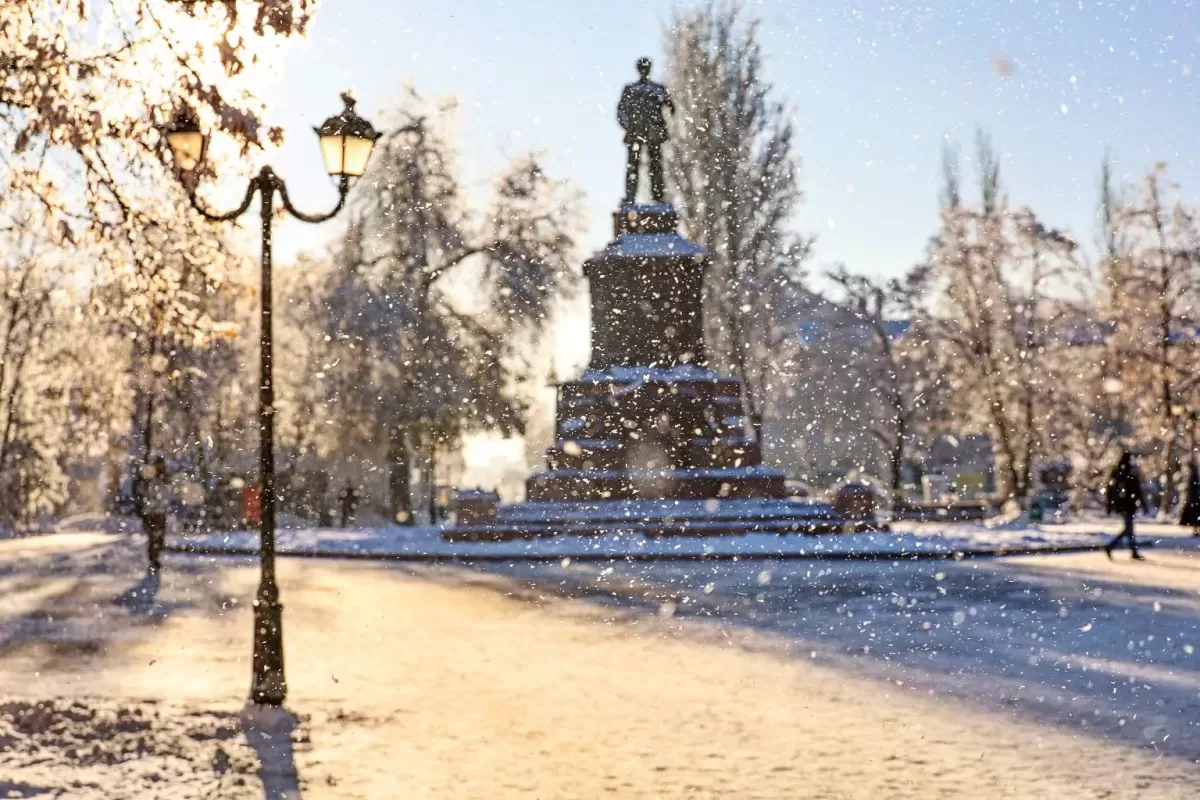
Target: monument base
(650, 440)
(654, 518)
(652, 433)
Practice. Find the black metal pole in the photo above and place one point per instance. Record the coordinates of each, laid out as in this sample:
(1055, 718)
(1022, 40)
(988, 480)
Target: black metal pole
(269, 686)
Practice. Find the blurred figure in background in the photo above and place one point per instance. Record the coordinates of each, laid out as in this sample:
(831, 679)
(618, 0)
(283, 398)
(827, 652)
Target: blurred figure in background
(1124, 496)
(1190, 515)
(349, 502)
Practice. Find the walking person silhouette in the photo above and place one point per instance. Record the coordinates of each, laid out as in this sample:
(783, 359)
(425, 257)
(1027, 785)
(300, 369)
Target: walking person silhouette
(1124, 496)
(1190, 516)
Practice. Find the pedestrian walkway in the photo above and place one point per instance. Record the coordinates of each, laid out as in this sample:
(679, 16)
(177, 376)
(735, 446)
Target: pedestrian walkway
(454, 684)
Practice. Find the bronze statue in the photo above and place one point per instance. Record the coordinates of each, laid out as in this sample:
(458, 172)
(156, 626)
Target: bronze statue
(640, 113)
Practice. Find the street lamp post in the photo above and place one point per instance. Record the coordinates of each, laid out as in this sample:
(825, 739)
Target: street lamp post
(346, 143)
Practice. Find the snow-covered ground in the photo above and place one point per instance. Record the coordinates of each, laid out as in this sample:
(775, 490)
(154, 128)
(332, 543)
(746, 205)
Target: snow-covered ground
(1104, 648)
(72, 602)
(107, 747)
(906, 539)
(1064, 676)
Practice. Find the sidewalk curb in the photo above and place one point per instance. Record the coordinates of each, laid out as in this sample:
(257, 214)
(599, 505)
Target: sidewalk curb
(461, 558)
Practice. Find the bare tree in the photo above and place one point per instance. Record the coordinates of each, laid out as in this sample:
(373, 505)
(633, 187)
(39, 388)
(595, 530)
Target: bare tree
(427, 298)
(894, 363)
(994, 310)
(166, 291)
(1091, 427)
(85, 89)
(736, 180)
(57, 397)
(1157, 300)
(62, 63)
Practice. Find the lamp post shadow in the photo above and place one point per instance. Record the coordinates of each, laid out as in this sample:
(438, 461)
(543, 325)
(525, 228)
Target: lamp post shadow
(268, 731)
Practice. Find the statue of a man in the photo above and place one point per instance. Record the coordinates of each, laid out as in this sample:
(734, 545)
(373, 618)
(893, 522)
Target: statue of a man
(640, 113)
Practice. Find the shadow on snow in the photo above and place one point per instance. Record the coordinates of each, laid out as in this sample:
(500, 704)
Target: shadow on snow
(1107, 659)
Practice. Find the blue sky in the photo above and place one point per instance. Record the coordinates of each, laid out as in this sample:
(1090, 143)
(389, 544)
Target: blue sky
(876, 87)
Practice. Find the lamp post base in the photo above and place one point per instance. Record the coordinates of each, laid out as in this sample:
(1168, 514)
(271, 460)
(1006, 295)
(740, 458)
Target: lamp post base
(268, 687)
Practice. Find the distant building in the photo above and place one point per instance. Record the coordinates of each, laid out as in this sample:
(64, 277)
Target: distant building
(968, 463)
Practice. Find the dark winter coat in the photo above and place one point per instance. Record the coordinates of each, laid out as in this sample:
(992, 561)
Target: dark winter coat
(1191, 505)
(1124, 492)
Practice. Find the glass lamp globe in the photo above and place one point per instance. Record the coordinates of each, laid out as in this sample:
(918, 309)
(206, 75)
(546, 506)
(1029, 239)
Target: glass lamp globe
(186, 140)
(346, 142)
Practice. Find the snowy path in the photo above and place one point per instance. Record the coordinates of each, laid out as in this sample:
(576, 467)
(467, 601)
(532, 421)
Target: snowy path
(699, 680)
(1108, 649)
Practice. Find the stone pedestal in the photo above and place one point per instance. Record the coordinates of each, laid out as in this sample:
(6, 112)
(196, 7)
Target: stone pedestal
(649, 420)
(645, 288)
(650, 440)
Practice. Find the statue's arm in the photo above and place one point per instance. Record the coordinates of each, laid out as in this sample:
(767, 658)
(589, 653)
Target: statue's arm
(623, 109)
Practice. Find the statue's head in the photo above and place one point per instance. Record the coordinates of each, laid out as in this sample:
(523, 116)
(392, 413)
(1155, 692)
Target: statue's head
(643, 67)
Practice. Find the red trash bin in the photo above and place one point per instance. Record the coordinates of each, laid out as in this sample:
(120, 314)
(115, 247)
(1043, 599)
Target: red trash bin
(252, 503)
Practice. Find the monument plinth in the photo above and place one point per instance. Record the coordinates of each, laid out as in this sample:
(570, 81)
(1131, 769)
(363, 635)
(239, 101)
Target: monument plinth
(649, 419)
(650, 438)
(645, 288)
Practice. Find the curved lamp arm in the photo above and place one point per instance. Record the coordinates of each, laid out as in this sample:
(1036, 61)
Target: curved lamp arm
(266, 181)
(343, 191)
(255, 185)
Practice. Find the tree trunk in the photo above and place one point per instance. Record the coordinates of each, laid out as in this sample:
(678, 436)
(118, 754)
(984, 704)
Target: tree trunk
(1166, 316)
(1166, 398)
(1170, 472)
(899, 411)
(741, 368)
(1169, 421)
(898, 455)
(1028, 448)
(143, 426)
(399, 473)
(1016, 488)
(432, 483)
(146, 434)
